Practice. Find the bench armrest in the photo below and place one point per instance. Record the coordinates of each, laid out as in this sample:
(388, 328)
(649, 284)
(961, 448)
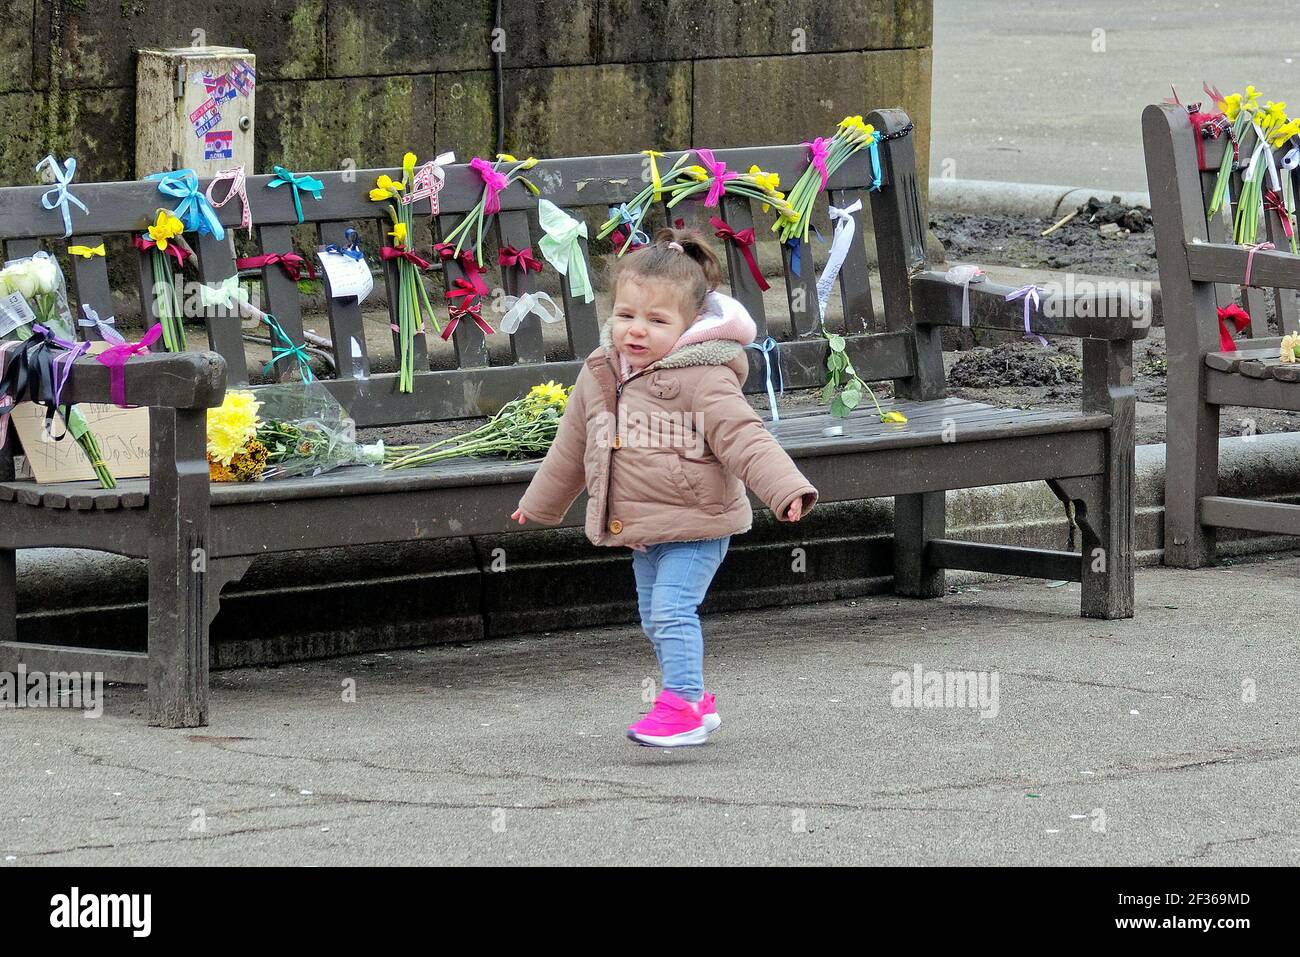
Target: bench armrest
(1089, 311)
(159, 380)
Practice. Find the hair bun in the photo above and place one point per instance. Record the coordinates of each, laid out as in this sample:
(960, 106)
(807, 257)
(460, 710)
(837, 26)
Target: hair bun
(674, 244)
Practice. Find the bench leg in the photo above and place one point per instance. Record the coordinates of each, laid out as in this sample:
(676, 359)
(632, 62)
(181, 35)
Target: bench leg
(178, 569)
(8, 595)
(1191, 473)
(918, 518)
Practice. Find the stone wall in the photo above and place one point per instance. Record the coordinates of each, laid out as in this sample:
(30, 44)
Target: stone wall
(364, 80)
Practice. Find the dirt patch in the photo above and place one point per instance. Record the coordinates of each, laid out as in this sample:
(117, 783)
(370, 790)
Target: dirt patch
(1015, 364)
(1078, 246)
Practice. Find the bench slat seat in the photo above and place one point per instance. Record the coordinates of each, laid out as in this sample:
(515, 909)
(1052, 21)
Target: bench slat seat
(962, 420)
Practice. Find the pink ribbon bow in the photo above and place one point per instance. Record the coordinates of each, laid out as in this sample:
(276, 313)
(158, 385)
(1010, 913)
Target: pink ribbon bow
(392, 252)
(115, 357)
(238, 187)
(821, 148)
(718, 170)
(1250, 259)
(145, 245)
(493, 182)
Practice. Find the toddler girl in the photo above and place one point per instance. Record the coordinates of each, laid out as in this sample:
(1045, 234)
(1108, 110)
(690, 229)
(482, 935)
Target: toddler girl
(659, 433)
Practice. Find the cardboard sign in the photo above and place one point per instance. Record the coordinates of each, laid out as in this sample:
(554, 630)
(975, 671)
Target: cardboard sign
(123, 436)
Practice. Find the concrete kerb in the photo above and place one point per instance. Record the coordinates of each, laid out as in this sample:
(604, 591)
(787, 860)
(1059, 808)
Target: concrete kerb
(320, 604)
(981, 197)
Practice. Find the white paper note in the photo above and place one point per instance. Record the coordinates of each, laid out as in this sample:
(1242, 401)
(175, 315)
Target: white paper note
(346, 276)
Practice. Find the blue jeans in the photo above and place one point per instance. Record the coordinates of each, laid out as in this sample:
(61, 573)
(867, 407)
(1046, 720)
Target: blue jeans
(671, 581)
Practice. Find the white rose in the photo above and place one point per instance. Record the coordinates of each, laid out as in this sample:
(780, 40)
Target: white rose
(46, 271)
(21, 278)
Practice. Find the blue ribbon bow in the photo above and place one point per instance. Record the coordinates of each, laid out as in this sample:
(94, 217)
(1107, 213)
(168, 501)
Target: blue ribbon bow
(295, 182)
(290, 349)
(353, 248)
(193, 210)
(58, 197)
(628, 218)
(767, 347)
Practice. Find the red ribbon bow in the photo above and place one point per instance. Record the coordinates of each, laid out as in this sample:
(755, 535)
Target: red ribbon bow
(1204, 126)
(522, 258)
(473, 309)
(115, 358)
(745, 240)
(1273, 202)
(1239, 318)
(619, 237)
(391, 252)
(291, 263)
(144, 245)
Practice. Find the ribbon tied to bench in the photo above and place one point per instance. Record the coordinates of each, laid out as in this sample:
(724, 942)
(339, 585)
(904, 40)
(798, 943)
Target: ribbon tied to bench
(115, 357)
(845, 228)
(193, 210)
(520, 307)
(288, 349)
(292, 264)
(58, 197)
(296, 182)
(561, 247)
(107, 331)
(351, 247)
(965, 275)
(1240, 320)
(745, 241)
(238, 188)
(1030, 294)
(767, 347)
(522, 259)
(493, 184)
(87, 252)
(717, 169)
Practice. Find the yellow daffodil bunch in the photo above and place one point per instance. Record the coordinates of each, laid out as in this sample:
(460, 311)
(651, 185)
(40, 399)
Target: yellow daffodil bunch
(525, 426)
(413, 305)
(166, 230)
(851, 134)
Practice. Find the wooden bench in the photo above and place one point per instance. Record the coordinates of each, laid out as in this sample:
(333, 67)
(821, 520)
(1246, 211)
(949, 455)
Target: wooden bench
(948, 443)
(1200, 271)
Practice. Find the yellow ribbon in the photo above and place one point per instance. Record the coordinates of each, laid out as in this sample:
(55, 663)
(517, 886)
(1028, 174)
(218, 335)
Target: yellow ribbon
(86, 252)
(654, 172)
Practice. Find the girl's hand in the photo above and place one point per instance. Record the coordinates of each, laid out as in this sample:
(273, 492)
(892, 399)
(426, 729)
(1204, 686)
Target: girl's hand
(796, 510)
(519, 516)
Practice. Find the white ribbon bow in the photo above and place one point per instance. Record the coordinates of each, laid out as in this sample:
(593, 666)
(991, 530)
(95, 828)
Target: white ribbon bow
(520, 307)
(965, 275)
(845, 227)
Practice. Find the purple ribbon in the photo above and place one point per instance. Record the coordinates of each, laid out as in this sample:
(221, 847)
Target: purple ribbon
(1029, 293)
(61, 363)
(718, 170)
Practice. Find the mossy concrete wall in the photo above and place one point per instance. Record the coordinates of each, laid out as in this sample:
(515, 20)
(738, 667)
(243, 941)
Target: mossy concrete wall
(362, 80)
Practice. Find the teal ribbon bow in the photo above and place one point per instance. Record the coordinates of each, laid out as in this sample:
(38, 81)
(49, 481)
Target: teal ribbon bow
(767, 347)
(289, 349)
(295, 182)
(59, 197)
(193, 210)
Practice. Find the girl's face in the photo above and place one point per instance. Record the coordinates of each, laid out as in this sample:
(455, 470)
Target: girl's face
(648, 319)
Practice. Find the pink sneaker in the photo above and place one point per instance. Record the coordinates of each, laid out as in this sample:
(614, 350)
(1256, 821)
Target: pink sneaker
(709, 713)
(671, 723)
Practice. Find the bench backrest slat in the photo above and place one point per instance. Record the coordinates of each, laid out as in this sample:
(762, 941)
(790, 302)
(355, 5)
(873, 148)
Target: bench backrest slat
(584, 187)
(347, 329)
(91, 279)
(526, 343)
(225, 325)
